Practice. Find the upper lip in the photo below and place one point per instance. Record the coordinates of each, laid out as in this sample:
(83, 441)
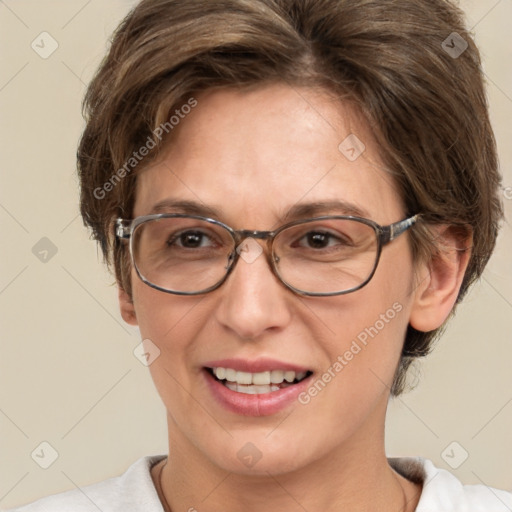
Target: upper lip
(255, 366)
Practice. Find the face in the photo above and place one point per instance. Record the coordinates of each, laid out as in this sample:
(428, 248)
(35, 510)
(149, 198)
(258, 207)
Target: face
(252, 156)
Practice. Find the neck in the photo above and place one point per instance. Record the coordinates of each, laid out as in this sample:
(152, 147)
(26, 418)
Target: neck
(355, 477)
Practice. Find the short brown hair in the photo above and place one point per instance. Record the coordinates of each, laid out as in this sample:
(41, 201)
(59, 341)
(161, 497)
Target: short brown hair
(404, 63)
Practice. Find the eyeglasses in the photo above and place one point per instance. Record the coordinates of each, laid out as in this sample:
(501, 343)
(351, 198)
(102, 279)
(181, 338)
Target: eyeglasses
(192, 255)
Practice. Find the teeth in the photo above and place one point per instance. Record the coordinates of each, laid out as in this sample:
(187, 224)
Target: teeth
(220, 373)
(264, 379)
(251, 390)
(243, 377)
(289, 376)
(276, 376)
(301, 375)
(230, 374)
(232, 385)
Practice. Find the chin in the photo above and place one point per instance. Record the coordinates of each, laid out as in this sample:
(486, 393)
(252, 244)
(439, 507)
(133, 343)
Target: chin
(260, 455)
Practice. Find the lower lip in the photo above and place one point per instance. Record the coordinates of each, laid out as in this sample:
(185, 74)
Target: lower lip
(265, 404)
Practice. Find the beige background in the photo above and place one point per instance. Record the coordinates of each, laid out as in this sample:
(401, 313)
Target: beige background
(68, 373)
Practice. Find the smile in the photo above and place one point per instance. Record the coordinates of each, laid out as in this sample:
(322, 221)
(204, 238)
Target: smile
(257, 383)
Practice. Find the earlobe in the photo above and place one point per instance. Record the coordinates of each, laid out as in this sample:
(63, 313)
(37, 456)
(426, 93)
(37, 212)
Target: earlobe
(127, 307)
(440, 279)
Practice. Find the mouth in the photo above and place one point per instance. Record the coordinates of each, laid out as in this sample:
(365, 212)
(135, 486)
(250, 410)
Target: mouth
(259, 383)
(257, 387)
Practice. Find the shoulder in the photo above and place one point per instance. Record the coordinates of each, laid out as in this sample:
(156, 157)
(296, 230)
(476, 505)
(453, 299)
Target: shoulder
(133, 490)
(443, 492)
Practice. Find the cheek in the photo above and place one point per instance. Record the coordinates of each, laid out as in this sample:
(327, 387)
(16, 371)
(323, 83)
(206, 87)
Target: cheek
(171, 323)
(362, 357)
(374, 350)
(365, 349)
(163, 317)
(368, 329)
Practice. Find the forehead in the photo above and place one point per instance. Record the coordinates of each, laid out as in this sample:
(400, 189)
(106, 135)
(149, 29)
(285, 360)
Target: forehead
(254, 154)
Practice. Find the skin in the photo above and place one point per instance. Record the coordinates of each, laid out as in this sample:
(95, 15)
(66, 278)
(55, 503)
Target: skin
(252, 155)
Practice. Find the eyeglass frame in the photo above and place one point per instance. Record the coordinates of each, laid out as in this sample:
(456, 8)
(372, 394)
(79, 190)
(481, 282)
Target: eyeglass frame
(124, 230)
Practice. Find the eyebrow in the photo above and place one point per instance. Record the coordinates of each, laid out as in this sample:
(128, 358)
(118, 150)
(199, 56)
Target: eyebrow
(314, 209)
(297, 211)
(186, 207)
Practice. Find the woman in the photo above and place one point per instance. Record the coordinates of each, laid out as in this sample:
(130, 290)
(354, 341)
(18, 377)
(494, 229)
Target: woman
(294, 195)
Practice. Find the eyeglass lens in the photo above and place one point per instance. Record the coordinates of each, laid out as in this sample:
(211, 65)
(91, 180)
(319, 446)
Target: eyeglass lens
(320, 256)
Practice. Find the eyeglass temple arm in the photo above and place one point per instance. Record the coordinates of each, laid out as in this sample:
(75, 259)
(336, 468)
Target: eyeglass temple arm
(389, 233)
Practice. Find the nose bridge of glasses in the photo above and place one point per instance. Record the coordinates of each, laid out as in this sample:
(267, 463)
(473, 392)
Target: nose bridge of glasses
(242, 235)
(249, 233)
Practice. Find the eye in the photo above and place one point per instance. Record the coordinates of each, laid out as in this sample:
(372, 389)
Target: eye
(320, 240)
(190, 240)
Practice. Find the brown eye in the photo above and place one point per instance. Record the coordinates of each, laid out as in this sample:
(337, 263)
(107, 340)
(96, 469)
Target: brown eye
(192, 239)
(320, 240)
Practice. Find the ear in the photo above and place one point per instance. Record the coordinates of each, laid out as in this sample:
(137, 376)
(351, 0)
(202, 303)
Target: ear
(439, 279)
(126, 306)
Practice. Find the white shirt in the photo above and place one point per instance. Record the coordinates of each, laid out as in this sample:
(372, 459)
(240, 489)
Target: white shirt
(134, 491)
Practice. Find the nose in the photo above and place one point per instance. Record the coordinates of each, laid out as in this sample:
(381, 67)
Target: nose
(253, 301)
